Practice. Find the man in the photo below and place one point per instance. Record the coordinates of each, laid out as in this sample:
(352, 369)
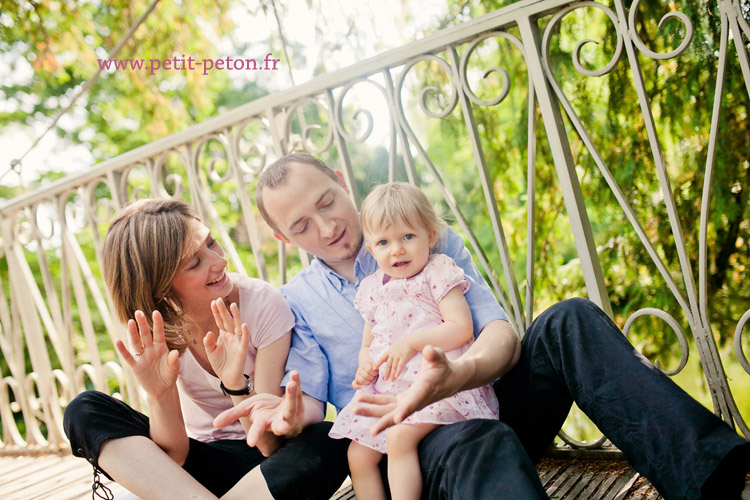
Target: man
(572, 352)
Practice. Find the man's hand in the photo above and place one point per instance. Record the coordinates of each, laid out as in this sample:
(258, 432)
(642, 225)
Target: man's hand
(395, 358)
(283, 416)
(438, 378)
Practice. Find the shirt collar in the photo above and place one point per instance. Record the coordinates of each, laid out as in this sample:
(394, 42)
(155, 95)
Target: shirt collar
(364, 265)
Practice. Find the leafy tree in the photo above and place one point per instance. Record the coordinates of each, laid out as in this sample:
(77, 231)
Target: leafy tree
(57, 46)
(681, 92)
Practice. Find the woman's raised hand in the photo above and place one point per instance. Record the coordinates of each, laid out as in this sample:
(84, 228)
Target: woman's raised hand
(154, 365)
(227, 353)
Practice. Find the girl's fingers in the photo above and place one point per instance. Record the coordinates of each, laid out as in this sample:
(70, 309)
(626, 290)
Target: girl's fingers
(397, 369)
(380, 361)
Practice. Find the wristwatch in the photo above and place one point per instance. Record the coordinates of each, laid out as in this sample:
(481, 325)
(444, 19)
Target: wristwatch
(239, 392)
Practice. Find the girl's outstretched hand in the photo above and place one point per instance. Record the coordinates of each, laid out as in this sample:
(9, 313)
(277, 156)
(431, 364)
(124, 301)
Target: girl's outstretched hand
(154, 365)
(228, 353)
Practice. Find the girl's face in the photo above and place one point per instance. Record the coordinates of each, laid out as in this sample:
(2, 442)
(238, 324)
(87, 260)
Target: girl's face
(202, 275)
(401, 250)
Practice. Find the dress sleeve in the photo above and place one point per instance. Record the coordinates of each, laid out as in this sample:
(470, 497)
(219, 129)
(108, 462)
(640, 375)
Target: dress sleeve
(363, 300)
(442, 275)
(482, 302)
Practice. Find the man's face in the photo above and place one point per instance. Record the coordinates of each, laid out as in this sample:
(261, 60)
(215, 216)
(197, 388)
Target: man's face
(314, 212)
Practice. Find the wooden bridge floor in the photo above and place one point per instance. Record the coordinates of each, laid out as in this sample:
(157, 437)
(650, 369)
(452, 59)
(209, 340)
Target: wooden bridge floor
(64, 477)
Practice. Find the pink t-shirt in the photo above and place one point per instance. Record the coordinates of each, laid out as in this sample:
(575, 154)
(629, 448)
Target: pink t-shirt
(268, 317)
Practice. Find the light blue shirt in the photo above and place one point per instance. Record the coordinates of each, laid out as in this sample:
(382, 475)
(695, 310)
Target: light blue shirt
(328, 329)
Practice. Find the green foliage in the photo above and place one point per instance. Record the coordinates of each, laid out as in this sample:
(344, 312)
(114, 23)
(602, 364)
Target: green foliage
(681, 95)
(57, 45)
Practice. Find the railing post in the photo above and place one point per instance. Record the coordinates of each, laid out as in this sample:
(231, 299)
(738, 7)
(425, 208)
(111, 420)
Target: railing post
(566, 173)
(23, 289)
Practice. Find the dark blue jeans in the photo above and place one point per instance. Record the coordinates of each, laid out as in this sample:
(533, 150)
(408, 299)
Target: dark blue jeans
(574, 352)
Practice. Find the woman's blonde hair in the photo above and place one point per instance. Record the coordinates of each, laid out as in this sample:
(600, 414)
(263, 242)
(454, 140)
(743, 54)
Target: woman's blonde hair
(143, 250)
(396, 202)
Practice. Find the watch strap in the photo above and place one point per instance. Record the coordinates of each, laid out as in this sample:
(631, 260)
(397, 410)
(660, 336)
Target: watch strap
(239, 392)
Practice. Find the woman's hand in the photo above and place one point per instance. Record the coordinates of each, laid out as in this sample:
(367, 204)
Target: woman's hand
(228, 353)
(154, 365)
(395, 358)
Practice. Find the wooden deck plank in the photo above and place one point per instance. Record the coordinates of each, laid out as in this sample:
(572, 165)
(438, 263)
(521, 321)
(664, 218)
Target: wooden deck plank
(19, 486)
(19, 467)
(595, 482)
(563, 489)
(584, 481)
(56, 481)
(622, 486)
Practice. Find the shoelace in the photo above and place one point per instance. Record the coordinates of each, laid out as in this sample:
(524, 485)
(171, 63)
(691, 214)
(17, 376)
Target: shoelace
(99, 489)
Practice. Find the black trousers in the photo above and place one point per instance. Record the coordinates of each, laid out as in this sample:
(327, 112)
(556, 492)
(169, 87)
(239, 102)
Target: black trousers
(309, 466)
(573, 352)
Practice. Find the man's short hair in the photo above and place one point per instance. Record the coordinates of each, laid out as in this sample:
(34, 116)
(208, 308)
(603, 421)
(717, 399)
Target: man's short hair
(275, 175)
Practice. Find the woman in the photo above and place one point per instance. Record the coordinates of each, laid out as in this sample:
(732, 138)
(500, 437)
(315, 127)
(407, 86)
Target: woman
(194, 358)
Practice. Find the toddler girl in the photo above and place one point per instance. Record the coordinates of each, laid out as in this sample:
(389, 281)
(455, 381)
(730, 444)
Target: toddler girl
(416, 298)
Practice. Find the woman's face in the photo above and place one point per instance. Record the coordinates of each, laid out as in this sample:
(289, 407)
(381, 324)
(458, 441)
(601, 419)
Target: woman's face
(202, 275)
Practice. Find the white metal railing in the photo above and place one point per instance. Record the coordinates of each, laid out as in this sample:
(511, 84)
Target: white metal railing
(51, 313)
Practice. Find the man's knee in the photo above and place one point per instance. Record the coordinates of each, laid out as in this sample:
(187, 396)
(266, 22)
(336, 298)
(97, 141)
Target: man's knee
(473, 440)
(569, 320)
(578, 307)
(476, 458)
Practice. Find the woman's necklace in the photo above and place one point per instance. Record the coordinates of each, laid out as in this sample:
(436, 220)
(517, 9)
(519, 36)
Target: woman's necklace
(187, 330)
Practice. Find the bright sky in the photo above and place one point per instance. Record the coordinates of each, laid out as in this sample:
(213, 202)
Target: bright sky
(380, 29)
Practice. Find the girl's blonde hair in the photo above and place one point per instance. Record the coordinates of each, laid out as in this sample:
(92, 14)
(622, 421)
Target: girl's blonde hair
(398, 202)
(143, 250)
